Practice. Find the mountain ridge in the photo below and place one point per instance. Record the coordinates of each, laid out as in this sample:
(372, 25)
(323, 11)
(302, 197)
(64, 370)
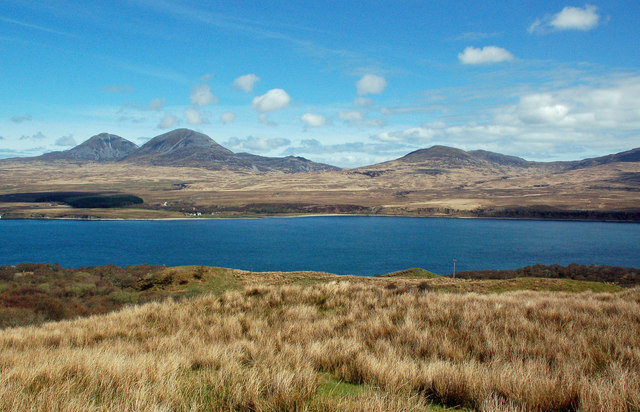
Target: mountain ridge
(188, 148)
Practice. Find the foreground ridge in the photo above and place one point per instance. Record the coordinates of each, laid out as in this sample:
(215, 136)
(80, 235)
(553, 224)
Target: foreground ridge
(334, 343)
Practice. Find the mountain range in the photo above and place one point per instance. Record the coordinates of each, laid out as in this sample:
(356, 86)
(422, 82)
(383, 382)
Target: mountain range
(185, 147)
(180, 147)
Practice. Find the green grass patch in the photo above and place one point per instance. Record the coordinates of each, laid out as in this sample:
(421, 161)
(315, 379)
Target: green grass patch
(412, 273)
(123, 297)
(329, 386)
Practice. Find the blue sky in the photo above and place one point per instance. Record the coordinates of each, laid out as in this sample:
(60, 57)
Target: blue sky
(347, 83)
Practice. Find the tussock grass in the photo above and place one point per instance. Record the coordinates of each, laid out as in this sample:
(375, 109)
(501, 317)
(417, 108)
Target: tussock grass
(340, 345)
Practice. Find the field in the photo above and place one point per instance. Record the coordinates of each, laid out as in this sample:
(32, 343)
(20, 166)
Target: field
(313, 341)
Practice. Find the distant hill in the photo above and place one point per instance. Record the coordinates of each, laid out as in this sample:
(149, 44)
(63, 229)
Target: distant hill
(632, 155)
(178, 148)
(457, 156)
(444, 157)
(184, 147)
(104, 147)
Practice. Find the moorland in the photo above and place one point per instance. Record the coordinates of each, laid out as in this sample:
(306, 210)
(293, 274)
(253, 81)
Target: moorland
(222, 339)
(183, 174)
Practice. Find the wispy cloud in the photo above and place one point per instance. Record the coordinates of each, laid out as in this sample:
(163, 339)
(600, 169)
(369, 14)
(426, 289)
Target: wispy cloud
(21, 119)
(36, 136)
(475, 36)
(118, 88)
(259, 144)
(35, 26)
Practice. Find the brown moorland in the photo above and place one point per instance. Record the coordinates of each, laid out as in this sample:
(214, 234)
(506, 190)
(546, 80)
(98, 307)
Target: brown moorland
(439, 181)
(309, 341)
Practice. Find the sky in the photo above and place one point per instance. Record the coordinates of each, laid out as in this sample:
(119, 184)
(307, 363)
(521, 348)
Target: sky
(349, 83)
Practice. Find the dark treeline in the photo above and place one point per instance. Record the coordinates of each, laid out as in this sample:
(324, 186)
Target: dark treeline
(75, 199)
(627, 277)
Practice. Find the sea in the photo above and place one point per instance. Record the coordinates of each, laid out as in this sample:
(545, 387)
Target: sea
(346, 245)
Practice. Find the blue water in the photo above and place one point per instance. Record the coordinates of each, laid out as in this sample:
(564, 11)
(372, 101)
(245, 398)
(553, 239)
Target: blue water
(343, 245)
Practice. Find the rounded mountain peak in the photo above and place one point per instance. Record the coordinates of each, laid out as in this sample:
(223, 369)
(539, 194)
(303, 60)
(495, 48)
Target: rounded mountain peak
(104, 147)
(436, 153)
(181, 140)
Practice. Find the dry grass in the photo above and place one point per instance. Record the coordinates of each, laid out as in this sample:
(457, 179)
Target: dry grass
(342, 345)
(401, 189)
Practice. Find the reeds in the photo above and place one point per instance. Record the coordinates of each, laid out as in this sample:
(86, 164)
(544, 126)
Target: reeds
(269, 347)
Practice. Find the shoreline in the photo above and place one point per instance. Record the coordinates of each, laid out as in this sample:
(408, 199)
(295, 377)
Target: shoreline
(312, 215)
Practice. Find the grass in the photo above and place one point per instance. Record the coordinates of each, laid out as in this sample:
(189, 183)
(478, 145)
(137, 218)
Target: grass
(273, 341)
(417, 273)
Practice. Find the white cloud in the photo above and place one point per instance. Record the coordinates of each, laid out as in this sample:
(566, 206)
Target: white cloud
(66, 141)
(371, 84)
(246, 83)
(488, 54)
(168, 121)
(20, 119)
(201, 95)
(194, 117)
(157, 104)
(355, 118)
(313, 120)
(260, 144)
(541, 108)
(570, 18)
(362, 101)
(206, 77)
(228, 117)
(272, 100)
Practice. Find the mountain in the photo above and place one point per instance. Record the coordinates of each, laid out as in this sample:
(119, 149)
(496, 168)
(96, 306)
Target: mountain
(181, 147)
(184, 147)
(457, 156)
(632, 155)
(104, 147)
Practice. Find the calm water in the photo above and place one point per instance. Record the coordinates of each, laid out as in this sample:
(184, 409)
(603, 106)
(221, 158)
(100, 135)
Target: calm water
(343, 245)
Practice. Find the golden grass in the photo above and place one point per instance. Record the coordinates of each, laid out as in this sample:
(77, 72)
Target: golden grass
(341, 345)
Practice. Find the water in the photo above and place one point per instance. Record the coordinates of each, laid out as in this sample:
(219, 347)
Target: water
(342, 245)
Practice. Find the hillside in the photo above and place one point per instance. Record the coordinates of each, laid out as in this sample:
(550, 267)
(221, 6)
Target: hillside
(184, 173)
(104, 147)
(321, 343)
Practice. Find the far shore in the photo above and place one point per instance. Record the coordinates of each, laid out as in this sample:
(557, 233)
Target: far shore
(88, 218)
